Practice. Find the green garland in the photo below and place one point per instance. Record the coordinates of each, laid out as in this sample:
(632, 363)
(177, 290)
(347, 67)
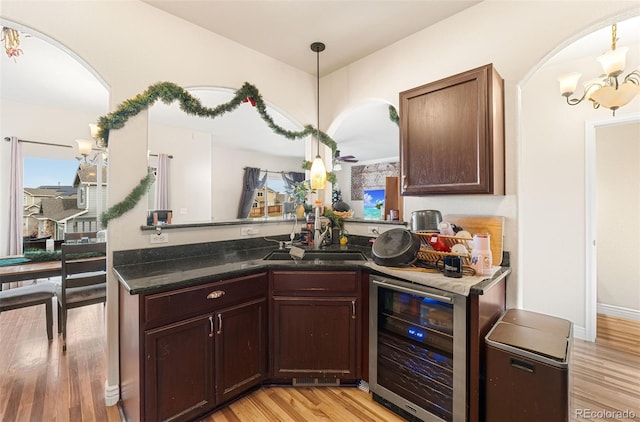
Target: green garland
(169, 92)
(130, 201)
(393, 115)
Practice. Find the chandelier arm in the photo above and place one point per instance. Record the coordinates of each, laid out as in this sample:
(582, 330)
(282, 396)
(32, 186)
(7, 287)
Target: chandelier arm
(587, 89)
(633, 77)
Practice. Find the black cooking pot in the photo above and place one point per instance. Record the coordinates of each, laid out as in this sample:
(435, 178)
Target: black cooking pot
(396, 248)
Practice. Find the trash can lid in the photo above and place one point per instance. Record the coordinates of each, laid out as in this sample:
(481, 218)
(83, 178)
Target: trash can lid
(540, 344)
(542, 322)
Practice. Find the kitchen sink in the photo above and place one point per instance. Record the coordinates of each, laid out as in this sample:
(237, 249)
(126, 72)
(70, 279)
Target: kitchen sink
(282, 255)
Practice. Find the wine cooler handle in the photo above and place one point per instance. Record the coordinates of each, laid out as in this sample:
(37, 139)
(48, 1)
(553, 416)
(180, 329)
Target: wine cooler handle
(390, 286)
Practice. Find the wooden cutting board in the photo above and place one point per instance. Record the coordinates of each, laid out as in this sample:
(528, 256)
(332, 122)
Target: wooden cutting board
(478, 224)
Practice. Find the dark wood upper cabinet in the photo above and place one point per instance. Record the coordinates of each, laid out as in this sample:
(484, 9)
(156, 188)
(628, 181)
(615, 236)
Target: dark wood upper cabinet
(452, 135)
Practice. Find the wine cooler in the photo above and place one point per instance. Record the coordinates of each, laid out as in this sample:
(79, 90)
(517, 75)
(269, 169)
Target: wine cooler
(417, 350)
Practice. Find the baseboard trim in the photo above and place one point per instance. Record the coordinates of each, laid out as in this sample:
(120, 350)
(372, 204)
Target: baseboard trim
(580, 332)
(618, 311)
(111, 394)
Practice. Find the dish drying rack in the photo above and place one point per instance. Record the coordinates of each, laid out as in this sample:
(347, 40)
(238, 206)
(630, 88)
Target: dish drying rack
(431, 256)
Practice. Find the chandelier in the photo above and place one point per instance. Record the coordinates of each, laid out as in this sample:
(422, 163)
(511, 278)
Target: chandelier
(609, 90)
(11, 41)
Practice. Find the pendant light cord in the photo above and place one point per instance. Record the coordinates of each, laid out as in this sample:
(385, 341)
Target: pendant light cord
(318, 47)
(318, 99)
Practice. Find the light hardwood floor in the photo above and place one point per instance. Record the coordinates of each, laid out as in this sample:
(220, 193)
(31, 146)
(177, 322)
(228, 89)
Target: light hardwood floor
(40, 383)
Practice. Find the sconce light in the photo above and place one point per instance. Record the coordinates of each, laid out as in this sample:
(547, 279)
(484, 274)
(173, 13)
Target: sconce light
(94, 128)
(318, 170)
(606, 89)
(84, 148)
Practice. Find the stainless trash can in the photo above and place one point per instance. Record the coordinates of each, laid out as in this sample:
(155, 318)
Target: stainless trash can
(527, 368)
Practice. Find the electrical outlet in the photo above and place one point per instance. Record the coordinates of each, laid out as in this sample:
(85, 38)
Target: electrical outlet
(372, 230)
(159, 238)
(246, 231)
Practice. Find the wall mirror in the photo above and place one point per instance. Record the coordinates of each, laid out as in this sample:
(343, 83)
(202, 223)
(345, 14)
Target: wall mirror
(209, 155)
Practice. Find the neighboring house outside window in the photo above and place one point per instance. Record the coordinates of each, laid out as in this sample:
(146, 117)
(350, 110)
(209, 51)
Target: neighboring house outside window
(33, 211)
(86, 186)
(81, 197)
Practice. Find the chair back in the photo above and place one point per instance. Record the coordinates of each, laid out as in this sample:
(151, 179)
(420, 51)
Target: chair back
(83, 264)
(79, 237)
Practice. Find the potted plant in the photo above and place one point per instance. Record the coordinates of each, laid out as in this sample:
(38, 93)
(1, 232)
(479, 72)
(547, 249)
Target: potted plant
(299, 191)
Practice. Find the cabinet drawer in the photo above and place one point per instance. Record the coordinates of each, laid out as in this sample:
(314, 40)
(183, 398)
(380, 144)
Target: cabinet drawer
(315, 282)
(178, 304)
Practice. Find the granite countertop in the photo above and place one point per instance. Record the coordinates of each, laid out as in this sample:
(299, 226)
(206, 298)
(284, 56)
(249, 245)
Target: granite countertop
(183, 271)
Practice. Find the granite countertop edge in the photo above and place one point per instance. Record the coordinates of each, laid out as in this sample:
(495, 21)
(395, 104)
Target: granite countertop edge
(152, 277)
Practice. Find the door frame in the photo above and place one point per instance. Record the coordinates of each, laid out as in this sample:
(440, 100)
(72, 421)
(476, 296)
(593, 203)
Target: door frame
(591, 255)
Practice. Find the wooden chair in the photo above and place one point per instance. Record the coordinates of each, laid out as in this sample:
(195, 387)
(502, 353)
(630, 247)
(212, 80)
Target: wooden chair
(78, 236)
(31, 295)
(84, 280)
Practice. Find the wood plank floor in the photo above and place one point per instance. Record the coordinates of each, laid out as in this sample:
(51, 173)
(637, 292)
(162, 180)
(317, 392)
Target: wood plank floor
(40, 383)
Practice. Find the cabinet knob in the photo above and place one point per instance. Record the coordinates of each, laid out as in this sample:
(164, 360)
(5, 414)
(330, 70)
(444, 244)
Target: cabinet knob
(215, 295)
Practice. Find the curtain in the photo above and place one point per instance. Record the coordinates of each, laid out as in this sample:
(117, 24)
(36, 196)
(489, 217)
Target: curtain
(162, 183)
(292, 177)
(250, 183)
(16, 193)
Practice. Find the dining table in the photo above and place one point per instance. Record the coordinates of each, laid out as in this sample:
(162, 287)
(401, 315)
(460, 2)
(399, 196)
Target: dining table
(29, 271)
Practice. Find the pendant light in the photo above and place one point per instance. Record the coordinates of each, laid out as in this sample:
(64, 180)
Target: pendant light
(318, 170)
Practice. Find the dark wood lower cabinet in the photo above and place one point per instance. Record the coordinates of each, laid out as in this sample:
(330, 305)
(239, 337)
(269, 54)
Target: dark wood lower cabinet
(179, 370)
(314, 337)
(184, 352)
(315, 326)
(241, 344)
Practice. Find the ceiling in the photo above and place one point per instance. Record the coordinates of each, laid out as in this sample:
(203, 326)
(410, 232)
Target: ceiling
(285, 30)
(47, 74)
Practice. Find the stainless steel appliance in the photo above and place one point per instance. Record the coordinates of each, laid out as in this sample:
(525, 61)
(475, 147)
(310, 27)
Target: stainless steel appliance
(426, 221)
(417, 350)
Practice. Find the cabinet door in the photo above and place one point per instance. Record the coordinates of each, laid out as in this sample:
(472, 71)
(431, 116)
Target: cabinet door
(452, 135)
(241, 353)
(179, 370)
(314, 337)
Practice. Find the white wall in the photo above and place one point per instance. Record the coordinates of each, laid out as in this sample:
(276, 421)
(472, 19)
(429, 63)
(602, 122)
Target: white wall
(42, 123)
(618, 210)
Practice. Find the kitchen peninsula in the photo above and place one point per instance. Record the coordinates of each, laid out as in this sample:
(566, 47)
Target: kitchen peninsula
(177, 304)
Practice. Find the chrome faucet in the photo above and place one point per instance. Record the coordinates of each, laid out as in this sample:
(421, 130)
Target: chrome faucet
(318, 235)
